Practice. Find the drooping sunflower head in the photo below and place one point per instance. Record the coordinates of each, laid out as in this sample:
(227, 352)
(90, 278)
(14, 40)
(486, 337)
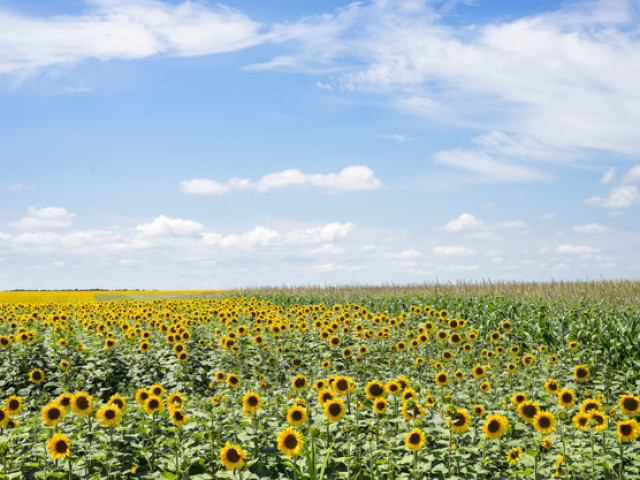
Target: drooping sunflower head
(325, 395)
(546, 443)
(415, 439)
(290, 442)
(59, 446)
(598, 420)
(82, 403)
(177, 416)
(485, 386)
(175, 398)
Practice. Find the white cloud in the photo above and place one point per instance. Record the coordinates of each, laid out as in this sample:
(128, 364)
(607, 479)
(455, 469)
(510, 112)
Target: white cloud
(480, 229)
(452, 250)
(327, 233)
(119, 29)
(608, 176)
(260, 236)
(349, 179)
(623, 196)
(576, 249)
(633, 175)
(44, 219)
(409, 254)
(398, 137)
(590, 228)
(548, 216)
(333, 267)
(164, 226)
(466, 221)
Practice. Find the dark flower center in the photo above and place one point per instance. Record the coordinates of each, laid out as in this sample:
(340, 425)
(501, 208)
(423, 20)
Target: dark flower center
(494, 426)
(177, 414)
(335, 409)
(153, 404)
(296, 415)
(252, 401)
(529, 411)
(414, 439)
(14, 404)
(459, 420)
(581, 373)
(110, 414)
(567, 398)
(54, 413)
(37, 375)
(544, 422)
(300, 382)
(291, 442)
(118, 403)
(82, 403)
(232, 455)
(376, 390)
(342, 385)
(61, 446)
(630, 403)
(590, 406)
(625, 429)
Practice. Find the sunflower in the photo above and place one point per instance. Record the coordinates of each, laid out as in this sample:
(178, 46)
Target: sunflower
(299, 383)
(581, 420)
(52, 414)
(251, 401)
(183, 357)
(109, 415)
(478, 410)
(590, 404)
(380, 405)
(64, 365)
(495, 426)
(415, 439)
(36, 376)
(233, 380)
(109, 343)
(581, 373)
(325, 395)
(546, 443)
(157, 390)
(82, 403)
(290, 442)
(629, 404)
(153, 405)
(334, 410)
(460, 421)
(552, 387)
(566, 398)
(342, 385)
(573, 345)
(177, 416)
(628, 430)
(412, 411)
(598, 419)
(544, 422)
(511, 367)
(14, 404)
(514, 455)
(459, 374)
(442, 378)
(485, 386)
(409, 394)
(5, 417)
(447, 355)
(528, 410)
(375, 390)
(59, 446)
(528, 360)
(518, 398)
(429, 401)
(142, 395)
(219, 376)
(297, 415)
(232, 456)
(403, 382)
(479, 371)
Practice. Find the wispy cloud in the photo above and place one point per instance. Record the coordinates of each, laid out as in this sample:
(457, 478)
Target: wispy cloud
(479, 229)
(590, 228)
(118, 29)
(349, 179)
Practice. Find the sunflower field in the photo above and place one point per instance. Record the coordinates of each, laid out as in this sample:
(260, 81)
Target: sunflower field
(282, 386)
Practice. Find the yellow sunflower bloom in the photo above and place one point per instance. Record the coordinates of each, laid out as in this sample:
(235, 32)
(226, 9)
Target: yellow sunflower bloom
(109, 416)
(415, 439)
(290, 442)
(52, 414)
(232, 456)
(59, 446)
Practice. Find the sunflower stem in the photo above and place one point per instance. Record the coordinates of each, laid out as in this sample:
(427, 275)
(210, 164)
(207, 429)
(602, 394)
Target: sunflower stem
(621, 470)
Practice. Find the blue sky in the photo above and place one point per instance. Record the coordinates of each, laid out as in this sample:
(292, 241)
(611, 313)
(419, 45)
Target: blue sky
(199, 145)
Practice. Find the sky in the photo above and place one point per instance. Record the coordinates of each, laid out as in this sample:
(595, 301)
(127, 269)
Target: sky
(171, 144)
